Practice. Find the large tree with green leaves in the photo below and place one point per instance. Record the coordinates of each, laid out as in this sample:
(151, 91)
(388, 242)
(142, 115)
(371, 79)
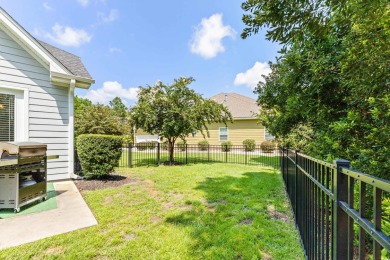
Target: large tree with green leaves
(331, 79)
(97, 119)
(175, 111)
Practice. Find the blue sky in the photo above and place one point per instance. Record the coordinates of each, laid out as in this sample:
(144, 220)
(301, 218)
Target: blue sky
(127, 44)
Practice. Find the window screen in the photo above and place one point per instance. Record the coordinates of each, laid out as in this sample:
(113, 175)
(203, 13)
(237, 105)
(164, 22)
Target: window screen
(223, 134)
(7, 118)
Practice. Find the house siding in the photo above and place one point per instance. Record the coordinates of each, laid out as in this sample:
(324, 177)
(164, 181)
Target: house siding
(238, 131)
(48, 104)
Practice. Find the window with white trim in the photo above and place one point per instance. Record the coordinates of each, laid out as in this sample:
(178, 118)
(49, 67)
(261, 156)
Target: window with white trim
(7, 118)
(267, 135)
(223, 134)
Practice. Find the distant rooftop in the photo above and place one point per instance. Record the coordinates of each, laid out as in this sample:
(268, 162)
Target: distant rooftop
(240, 106)
(70, 61)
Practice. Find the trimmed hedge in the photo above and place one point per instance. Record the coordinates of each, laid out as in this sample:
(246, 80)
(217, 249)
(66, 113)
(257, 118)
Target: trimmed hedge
(203, 145)
(249, 145)
(99, 154)
(226, 146)
(267, 146)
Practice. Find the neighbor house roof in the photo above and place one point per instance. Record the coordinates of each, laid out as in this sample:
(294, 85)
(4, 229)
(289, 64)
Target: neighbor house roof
(240, 106)
(72, 62)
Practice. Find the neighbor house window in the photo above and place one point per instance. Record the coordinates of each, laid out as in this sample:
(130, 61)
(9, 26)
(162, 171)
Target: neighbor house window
(267, 135)
(223, 134)
(7, 118)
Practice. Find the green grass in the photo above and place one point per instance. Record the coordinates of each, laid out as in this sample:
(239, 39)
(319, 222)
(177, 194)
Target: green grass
(204, 211)
(149, 157)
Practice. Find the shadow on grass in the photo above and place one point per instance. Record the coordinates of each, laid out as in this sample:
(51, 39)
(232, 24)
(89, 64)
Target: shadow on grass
(233, 222)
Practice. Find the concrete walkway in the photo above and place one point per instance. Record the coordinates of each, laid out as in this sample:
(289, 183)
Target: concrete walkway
(71, 214)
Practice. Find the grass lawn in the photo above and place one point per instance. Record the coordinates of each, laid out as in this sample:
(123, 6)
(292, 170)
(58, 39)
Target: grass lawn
(204, 211)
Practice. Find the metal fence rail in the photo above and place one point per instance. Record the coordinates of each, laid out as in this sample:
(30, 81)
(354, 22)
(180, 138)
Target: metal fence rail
(142, 154)
(331, 204)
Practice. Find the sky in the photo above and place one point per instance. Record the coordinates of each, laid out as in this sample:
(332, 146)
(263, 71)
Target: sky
(130, 44)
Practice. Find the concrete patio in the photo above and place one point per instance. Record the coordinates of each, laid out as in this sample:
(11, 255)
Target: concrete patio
(71, 214)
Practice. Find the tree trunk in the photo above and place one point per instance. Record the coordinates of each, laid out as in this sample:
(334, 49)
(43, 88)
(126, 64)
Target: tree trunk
(170, 150)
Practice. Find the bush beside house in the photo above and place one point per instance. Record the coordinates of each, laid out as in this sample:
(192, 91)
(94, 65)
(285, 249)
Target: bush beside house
(99, 154)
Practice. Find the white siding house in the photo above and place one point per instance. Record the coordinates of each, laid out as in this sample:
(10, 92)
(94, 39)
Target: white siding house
(40, 79)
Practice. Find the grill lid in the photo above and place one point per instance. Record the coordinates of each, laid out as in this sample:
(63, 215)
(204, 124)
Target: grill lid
(23, 148)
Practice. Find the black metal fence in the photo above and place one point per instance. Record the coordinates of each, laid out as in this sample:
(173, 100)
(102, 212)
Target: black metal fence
(339, 212)
(142, 154)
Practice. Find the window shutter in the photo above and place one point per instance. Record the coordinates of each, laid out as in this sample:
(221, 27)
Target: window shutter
(7, 118)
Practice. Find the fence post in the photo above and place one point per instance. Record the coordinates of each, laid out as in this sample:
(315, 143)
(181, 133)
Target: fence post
(296, 184)
(208, 152)
(130, 155)
(226, 151)
(158, 154)
(186, 153)
(340, 223)
(246, 156)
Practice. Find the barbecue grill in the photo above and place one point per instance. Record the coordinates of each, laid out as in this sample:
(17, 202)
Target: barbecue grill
(23, 174)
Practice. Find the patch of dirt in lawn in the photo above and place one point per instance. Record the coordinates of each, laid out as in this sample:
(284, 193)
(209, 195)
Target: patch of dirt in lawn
(153, 192)
(155, 219)
(128, 236)
(274, 214)
(107, 201)
(107, 182)
(54, 250)
(246, 221)
(168, 205)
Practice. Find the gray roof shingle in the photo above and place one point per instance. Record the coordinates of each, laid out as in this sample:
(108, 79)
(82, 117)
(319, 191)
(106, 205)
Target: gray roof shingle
(240, 106)
(70, 61)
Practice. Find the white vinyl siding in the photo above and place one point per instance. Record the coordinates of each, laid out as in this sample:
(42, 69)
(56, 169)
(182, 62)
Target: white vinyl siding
(223, 134)
(7, 118)
(48, 116)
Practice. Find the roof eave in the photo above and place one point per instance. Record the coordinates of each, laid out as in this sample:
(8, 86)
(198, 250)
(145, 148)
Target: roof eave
(65, 80)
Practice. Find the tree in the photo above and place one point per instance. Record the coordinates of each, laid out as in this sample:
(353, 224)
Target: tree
(331, 76)
(175, 111)
(97, 119)
(119, 108)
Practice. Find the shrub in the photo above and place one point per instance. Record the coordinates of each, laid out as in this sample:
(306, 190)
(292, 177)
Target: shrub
(226, 146)
(249, 145)
(126, 139)
(181, 145)
(99, 154)
(267, 146)
(203, 145)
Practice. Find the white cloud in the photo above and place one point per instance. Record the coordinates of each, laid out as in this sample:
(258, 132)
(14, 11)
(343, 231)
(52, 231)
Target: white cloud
(47, 6)
(208, 36)
(83, 2)
(66, 35)
(109, 91)
(108, 18)
(114, 50)
(252, 76)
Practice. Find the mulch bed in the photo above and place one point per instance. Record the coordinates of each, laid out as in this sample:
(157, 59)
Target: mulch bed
(110, 181)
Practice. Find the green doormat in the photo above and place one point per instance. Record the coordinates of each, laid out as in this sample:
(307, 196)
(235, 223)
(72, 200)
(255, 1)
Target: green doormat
(38, 206)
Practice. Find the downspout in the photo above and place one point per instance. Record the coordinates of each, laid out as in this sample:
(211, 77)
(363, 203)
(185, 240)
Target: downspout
(71, 128)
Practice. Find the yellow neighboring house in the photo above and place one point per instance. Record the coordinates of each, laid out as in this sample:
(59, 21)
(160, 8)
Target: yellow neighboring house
(245, 125)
